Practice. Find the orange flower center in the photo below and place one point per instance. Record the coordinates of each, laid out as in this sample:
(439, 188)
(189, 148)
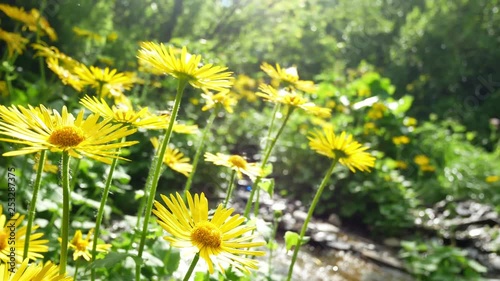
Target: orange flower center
(237, 161)
(67, 136)
(206, 234)
(3, 240)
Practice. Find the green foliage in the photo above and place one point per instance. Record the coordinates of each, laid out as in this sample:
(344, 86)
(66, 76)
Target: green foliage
(433, 62)
(432, 261)
(292, 239)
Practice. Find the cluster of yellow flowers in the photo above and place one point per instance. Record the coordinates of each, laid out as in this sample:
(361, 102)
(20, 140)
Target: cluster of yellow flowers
(218, 237)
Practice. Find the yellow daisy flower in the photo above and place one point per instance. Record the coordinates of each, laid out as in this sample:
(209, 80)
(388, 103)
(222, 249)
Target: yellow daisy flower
(33, 272)
(109, 82)
(235, 162)
(163, 60)
(42, 50)
(14, 235)
(292, 98)
(225, 98)
(124, 114)
(40, 129)
(347, 151)
(15, 42)
(83, 247)
(399, 140)
(289, 77)
(221, 238)
(175, 159)
(61, 64)
(64, 73)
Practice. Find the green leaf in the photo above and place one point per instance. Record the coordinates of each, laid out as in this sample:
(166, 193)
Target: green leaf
(402, 105)
(477, 266)
(267, 170)
(172, 263)
(272, 245)
(268, 186)
(112, 259)
(200, 276)
(292, 239)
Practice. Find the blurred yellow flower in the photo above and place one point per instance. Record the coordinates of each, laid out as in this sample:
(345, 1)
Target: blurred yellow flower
(421, 160)
(401, 165)
(221, 237)
(45, 51)
(112, 36)
(343, 148)
(33, 272)
(31, 20)
(410, 121)
(399, 140)
(175, 159)
(4, 91)
(224, 98)
(82, 247)
(235, 162)
(15, 42)
(124, 114)
(194, 101)
(187, 67)
(377, 111)
(244, 87)
(107, 82)
(41, 129)
(48, 167)
(289, 77)
(369, 128)
(364, 91)
(427, 168)
(492, 179)
(61, 64)
(81, 32)
(36, 245)
(292, 99)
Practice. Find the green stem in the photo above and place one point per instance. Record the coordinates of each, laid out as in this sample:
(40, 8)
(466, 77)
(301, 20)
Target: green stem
(257, 203)
(76, 270)
(100, 212)
(191, 267)
(38, 32)
(199, 150)
(271, 250)
(230, 188)
(65, 214)
(272, 143)
(268, 143)
(156, 173)
(32, 210)
(309, 216)
(271, 125)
